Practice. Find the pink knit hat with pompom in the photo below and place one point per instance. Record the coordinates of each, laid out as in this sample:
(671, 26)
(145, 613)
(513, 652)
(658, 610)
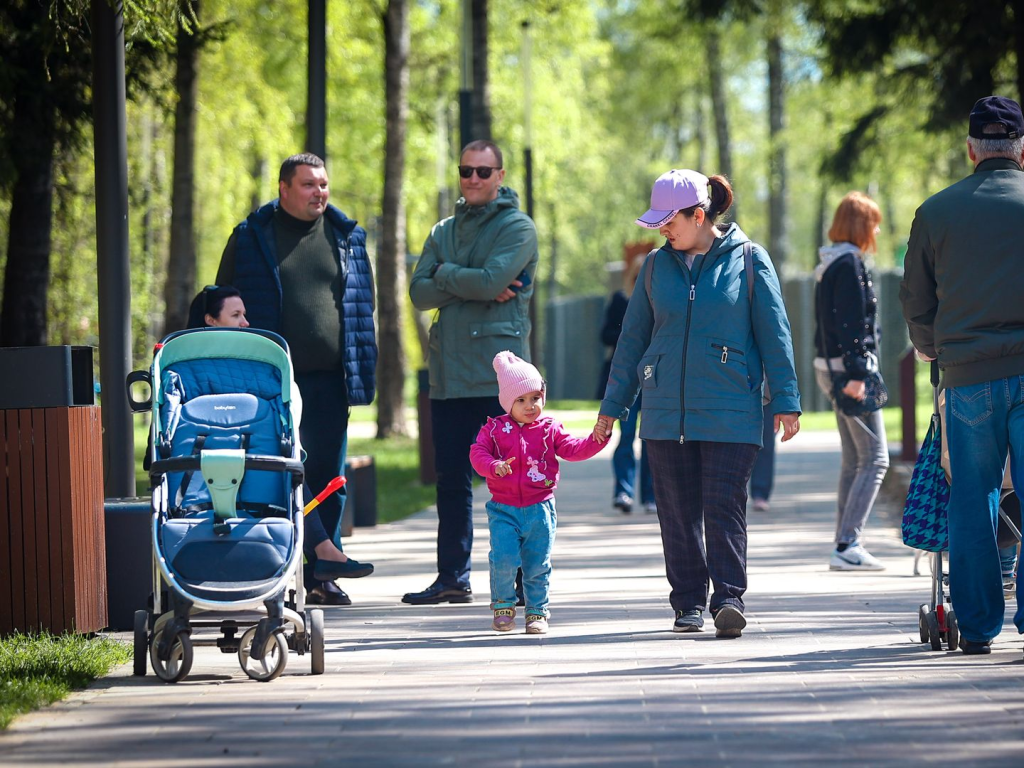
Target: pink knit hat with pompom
(516, 377)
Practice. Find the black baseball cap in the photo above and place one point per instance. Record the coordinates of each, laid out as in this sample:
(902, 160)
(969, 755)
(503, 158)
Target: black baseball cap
(996, 109)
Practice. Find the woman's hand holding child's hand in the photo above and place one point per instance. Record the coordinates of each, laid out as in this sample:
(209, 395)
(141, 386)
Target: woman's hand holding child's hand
(603, 428)
(503, 468)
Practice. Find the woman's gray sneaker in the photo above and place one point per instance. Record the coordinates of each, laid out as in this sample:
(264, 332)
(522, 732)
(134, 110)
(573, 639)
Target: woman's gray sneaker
(688, 621)
(729, 622)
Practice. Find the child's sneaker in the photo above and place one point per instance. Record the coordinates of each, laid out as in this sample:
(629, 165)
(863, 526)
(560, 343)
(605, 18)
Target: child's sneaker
(536, 624)
(504, 620)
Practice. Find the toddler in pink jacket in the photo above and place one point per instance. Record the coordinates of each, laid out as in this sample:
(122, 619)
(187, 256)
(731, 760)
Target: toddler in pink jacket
(518, 455)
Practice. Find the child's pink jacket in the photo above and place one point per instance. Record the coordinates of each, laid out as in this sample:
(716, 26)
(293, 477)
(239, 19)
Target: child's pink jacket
(536, 448)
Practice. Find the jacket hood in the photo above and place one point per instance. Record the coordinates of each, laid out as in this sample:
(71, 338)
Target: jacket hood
(507, 198)
(830, 253)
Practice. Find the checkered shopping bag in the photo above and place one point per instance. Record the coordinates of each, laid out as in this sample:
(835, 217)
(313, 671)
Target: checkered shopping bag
(925, 525)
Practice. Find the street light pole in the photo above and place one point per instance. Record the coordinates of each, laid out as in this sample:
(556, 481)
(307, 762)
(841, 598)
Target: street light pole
(466, 76)
(316, 82)
(527, 53)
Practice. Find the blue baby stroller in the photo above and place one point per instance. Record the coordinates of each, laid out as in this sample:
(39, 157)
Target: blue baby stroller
(226, 480)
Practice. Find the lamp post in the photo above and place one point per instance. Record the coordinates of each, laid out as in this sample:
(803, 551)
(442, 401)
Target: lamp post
(316, 82)
(466, 76)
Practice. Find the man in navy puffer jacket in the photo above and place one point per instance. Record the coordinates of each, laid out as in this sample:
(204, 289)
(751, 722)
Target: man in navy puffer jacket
(303, 272)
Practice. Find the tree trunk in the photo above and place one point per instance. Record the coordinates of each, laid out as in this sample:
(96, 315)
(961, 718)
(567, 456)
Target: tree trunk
(718, 105)
(700, 128)
(391, 295)
(181, 264)
(778, 244)
(1018, 44)
(481, 84)
(27, 272)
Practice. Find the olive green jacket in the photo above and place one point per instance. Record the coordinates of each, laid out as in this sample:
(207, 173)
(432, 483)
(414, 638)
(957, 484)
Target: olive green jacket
(468, 260)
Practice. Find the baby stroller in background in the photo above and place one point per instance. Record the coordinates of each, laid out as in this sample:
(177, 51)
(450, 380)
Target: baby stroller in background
(937, 619)
(226, 480)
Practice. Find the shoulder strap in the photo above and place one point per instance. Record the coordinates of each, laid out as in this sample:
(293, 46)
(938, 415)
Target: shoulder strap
(649, 273)
(748, 265)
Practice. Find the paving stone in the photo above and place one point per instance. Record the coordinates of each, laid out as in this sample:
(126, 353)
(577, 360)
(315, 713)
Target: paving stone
(829, 669)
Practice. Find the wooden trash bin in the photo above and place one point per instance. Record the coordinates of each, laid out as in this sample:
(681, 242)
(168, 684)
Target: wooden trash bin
(361, 473)
(52, 558)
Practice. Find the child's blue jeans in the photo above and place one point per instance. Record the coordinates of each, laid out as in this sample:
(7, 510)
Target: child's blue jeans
(521, 537)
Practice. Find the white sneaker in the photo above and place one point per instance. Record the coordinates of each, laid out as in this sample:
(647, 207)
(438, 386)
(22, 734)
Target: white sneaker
(624, 502)
(651, 508)
(854, 558)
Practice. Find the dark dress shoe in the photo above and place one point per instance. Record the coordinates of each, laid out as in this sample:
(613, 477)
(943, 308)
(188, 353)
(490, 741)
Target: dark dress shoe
(329, 570)
(327, 593)
(439, 593)
(973, 647)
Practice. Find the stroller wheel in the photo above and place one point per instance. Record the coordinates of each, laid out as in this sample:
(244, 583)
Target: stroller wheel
(316, 642)
(934, 631)
(178, 665)
(141, 643)
(952, 630)
(275, 656)
(922, 622)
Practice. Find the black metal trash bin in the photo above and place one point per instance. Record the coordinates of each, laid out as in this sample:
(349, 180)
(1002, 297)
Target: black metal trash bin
(129, 559)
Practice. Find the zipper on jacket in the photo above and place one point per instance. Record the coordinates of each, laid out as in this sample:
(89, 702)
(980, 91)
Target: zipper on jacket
(686, 343)
(726, 351)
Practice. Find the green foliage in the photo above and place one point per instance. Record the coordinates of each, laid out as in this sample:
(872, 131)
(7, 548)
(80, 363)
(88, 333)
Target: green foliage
(619, 94)
(39, 669)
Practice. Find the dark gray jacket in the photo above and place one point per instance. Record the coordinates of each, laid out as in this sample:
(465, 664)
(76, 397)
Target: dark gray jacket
(963, 283)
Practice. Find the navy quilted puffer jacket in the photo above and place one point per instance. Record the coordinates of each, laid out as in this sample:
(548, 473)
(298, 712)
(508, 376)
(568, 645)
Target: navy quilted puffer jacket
(257, 277)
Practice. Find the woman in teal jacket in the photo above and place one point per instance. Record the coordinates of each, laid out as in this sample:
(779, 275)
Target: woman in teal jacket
(701, 342)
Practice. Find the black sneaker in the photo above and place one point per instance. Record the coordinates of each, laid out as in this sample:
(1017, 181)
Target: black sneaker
(688, 621)
(729, 621)
(974, 648)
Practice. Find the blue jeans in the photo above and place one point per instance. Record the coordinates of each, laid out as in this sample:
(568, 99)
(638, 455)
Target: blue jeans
(624, 461)
(982, 421)
(762, 477)
(456, 423)
(521, 537)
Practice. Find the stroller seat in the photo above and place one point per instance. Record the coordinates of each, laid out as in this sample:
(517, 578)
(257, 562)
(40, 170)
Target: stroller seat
(216, 404)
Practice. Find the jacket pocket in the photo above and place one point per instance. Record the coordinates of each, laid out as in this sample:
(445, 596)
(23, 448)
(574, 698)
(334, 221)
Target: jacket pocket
(725, 369)
(648, 371)
(484, 342)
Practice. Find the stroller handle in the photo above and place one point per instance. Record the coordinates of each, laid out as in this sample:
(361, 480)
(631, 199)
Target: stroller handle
(255, 462)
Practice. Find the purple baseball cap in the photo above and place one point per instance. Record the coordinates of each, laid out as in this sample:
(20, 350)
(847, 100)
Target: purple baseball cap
(672, 192)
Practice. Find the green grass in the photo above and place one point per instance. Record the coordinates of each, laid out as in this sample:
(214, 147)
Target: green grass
(37, 670)
(399, 491)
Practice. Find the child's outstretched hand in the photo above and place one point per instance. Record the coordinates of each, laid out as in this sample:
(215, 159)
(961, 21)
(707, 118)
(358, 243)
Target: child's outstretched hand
(503, 468)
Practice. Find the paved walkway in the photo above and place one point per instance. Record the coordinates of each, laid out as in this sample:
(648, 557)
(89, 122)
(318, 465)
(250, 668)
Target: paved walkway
(829, 671)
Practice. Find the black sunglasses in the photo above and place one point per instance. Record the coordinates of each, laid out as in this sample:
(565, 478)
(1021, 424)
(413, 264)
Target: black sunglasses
(207, 291)
(483, 171)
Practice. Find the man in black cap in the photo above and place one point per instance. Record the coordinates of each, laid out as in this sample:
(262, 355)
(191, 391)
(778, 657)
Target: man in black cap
(963, 300)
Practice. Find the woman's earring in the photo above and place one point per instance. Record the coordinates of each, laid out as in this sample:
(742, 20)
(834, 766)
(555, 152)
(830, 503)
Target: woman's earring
(700, 224)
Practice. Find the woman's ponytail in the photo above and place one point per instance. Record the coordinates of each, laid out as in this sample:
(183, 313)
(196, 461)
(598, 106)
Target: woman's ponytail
(721, 197)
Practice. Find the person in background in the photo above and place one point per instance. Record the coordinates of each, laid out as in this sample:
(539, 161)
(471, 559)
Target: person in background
(624, 463)
(963, 300)
(302, 269)
(221, 306)
(700, 347)
(846, 333)
(762, 476)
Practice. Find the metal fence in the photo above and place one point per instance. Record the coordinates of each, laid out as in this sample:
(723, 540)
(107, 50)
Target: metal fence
(573, 353)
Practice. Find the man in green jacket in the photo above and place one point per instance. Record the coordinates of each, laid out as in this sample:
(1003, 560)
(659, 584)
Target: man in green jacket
(477, 271)
(963, 300)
